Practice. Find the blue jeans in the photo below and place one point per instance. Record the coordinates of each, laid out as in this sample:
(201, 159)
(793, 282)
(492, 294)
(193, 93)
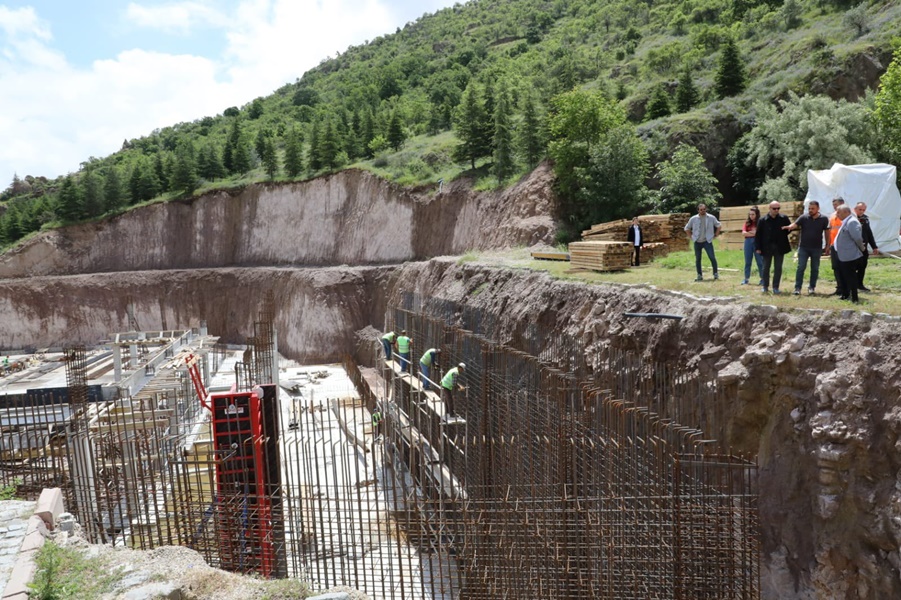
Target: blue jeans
(404, 361)
(386, 346)
(708, 247)
(424, 375)
(751, 250)
(814, 256)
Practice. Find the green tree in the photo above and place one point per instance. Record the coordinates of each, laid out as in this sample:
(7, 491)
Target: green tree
(209, 164)
(241, 155)
(887, 112)
(113, 196)
(70, 205)
(686, 93)
(615, 177)
(577, 122)
(529, 144)
(315, 161)
(659, 106)
(685, 182)
(143, 183)
(184, 175)
(470, 127)
(259, 145)
(791, 13)
(503, 136)
(328, 145)
(269, 158)
(730, 74)
(92, 194)
(810, 132)
(294, 153)
(857, 19)
(396, 134)
(255, 111)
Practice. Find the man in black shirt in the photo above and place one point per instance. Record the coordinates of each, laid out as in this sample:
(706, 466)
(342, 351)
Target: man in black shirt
(772, 242)
(869, 241)
(813, 226)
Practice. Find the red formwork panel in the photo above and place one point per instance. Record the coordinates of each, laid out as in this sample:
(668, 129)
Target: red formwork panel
(244, 511)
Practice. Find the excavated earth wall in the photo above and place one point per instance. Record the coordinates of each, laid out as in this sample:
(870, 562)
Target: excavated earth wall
(813, 394)
(349, 218)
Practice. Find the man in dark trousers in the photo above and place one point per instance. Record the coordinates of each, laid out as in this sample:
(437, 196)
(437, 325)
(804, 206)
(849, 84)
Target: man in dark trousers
(814, 228)
(869, 241)
(772, 242)
(636, 239)
(848, 249)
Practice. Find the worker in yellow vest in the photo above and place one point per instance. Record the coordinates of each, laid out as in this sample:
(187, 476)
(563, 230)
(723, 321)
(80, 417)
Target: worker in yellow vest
(450, 381)
(403, 349)
(388, 341)
(428, 361)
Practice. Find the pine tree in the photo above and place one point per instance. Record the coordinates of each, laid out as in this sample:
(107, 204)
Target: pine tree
(112, 191)
(396, 134)
(143, 183)
(730, 74)
(260, 143)
(209, 165)
(231, 145)
(503, 137)
(489, 102)
(687, 93)
(469, 126)
(184, 175)
(269, 158)
(69, 203)
(659, 104)
(294, 153)
(529, 138)
(241, 155)
(367, 132)
(328, 145)
(92, 194)
(315, 161)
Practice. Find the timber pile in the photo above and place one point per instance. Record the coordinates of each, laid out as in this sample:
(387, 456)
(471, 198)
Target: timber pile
(654, 250)
(600, 255)
(668, 229)
(733, 219)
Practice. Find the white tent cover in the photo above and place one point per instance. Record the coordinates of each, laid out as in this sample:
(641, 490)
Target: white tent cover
(874, 184)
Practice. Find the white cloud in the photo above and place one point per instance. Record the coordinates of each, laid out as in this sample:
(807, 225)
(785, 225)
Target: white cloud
(175, 17)
(54, 115)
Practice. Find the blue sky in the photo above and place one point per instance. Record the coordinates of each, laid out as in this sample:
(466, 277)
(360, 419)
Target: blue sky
(79, 77)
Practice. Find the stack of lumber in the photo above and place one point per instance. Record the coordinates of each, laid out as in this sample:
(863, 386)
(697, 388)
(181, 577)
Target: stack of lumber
(733, 219)
(612, 231)
(654, 250)
(600, 255)
(668, 229)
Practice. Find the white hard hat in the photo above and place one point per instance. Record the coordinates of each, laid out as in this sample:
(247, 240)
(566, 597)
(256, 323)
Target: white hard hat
(462, 366)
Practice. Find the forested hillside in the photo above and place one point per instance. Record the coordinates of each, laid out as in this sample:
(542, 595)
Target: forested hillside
(642, 106)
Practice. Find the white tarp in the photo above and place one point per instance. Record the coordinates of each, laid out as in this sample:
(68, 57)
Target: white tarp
(873, 184)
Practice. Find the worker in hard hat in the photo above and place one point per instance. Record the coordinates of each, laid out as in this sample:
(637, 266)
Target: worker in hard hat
(428, 361)
(404, 343)
(449, 382)
(388, 341)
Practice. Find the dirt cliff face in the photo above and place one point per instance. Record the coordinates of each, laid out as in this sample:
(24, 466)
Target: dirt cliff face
(351, 217)
(815, 395)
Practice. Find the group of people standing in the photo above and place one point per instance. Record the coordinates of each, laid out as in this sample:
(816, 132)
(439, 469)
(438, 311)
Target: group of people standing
(428, 367)
(845, 237)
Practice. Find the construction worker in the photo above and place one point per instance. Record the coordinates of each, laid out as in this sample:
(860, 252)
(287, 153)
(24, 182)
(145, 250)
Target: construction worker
(450, 381)
(388, 342)
(428, 360)
(403, 349)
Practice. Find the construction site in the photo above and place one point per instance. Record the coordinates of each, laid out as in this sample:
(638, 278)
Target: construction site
(614, 442)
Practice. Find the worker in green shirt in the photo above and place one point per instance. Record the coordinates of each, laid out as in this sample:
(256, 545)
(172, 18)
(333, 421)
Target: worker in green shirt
(426, 363)
(403, 349)
(450, 381)
(388, 341)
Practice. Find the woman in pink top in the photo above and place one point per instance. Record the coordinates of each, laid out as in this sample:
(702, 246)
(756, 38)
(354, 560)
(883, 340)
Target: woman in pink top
(749, 230)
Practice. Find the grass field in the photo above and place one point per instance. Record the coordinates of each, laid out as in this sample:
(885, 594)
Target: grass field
(677, 272)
